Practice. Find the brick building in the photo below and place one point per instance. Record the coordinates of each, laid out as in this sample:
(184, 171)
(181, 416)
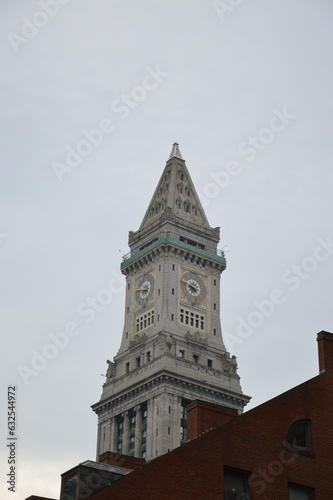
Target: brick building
(282, 449)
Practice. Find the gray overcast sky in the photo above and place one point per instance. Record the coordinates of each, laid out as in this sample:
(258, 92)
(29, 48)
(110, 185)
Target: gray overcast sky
(246, 90)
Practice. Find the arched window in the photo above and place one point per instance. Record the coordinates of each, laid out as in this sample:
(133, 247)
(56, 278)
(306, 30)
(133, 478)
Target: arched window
(299, 437)
(187, 206)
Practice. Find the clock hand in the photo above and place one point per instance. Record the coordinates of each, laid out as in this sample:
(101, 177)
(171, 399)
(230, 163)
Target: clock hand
(191, 284)
(141, 289)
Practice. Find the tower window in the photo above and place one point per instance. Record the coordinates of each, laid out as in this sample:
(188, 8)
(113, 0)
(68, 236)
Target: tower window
(128, 286)
(120, 431)
(192, 319)
(210, 363)
(127, 367)
(195, 358)
(145, 320)
(148, 355)
(172, 291)
(183, 421)
(181, 353)
(214, 331)
(173, 267)
(138, 361)
(214, 282)
(172, 317)
(214, 307)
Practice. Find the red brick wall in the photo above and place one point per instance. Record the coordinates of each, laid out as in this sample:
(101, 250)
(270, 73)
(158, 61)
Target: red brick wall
(202, 417)
(252, 442)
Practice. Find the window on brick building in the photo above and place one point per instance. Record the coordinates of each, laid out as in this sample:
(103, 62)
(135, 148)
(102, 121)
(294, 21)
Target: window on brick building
(236, 485)
(298, 492)
(299, 437)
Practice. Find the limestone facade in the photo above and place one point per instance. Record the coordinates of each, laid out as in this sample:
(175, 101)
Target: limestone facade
(172, 351)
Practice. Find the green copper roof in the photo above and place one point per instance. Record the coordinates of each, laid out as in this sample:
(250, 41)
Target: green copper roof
(128, 259)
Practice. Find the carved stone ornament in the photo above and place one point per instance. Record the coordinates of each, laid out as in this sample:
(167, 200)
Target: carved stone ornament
(166, 342)
(229, 364)
(196, 338)
(138, 339)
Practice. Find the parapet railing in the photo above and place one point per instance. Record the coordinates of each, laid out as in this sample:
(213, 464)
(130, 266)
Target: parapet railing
(218, 257)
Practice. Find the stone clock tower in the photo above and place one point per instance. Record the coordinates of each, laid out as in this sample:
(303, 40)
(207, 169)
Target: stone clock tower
(172, 351)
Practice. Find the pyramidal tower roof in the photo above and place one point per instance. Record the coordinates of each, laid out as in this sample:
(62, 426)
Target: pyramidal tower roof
(175, 191)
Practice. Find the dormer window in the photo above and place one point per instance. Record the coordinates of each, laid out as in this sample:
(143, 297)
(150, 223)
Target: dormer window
(187, 206)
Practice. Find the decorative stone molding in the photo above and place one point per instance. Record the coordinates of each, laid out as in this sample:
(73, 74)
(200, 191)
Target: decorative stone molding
(138, 339)
(196, 338)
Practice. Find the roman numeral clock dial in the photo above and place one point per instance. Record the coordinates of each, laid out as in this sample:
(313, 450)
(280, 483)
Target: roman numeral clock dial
(193, 287)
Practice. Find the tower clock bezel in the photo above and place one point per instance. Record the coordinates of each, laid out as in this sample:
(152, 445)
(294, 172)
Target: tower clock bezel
(193, 287)
(144, 289)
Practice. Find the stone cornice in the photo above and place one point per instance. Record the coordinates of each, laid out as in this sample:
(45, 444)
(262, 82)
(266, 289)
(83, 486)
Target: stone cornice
(230, 398)
(177, 244)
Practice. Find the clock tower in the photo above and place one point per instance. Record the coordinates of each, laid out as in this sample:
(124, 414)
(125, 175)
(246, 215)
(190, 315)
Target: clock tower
(172, 351)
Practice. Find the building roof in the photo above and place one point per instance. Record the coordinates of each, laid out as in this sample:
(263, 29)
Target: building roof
(175, 190)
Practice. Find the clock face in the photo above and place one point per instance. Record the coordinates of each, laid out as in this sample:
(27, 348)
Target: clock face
(193, 287)
(144, 289)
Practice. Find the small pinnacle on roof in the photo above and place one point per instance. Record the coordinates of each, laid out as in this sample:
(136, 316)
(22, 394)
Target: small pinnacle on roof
(175, 151)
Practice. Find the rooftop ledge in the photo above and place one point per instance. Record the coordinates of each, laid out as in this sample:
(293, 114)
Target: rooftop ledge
(218, 257)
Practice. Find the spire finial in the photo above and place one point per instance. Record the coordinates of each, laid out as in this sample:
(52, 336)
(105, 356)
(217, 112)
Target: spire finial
(175, 151)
